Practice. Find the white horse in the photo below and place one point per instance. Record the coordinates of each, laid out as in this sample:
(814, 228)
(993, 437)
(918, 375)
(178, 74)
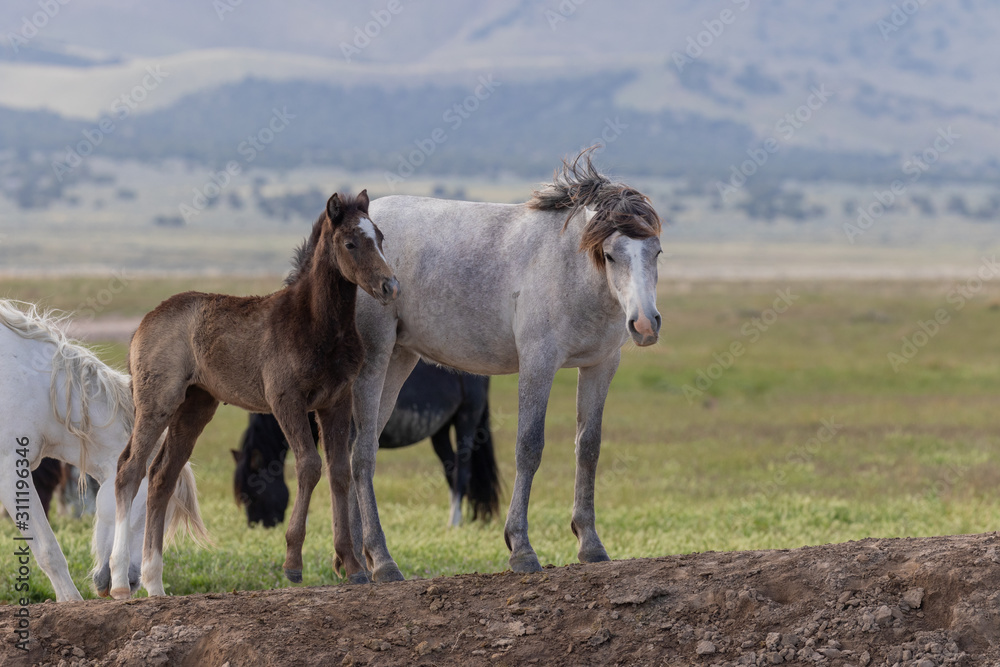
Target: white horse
(562, 281)
(59, 400)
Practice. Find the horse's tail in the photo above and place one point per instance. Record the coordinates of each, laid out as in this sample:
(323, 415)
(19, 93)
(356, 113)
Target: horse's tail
(184, 513)
(484, 477)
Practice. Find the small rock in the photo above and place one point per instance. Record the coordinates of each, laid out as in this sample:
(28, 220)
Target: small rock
(791, 640)
(865, 659)
(599, 637)
(376, 645)
(138, 634)
(773, 639)
(433, 589)
(705, 648)
(830, 653)
(883, 614)
(78, 652)
(926, 662)
(914, 598)
(348, 661)
(775, 658)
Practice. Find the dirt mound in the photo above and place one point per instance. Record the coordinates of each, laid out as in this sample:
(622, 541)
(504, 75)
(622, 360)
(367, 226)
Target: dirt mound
(920, 602)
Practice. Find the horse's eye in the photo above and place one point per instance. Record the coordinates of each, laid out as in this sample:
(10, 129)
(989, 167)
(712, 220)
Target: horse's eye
(350, 245)
(609, 258)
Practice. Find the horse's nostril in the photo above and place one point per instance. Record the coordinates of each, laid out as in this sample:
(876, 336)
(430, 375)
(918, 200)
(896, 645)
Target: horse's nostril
(658, 322)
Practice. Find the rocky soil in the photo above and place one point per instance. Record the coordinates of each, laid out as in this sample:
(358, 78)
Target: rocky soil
(907, 602)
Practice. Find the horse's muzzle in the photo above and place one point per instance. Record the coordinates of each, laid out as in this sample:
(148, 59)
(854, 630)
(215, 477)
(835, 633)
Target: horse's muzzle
(644, 331)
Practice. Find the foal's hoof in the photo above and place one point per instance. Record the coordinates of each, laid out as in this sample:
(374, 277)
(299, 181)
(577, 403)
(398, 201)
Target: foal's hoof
(121, 593)
(294, 576)
(593, 556)
(358, 578)
(389, 572)
(525, 563)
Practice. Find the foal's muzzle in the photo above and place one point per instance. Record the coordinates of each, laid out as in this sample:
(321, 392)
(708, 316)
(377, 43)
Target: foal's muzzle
(389, 290)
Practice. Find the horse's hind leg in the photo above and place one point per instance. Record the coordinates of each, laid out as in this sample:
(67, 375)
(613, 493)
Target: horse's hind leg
(335, 426)
(131, 471)
(294, 422)
(592, 390)
(442, 447)
(186, 425)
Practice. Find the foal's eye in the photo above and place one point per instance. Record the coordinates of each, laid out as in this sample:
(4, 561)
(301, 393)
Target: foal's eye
(350, 245)
(609, 258)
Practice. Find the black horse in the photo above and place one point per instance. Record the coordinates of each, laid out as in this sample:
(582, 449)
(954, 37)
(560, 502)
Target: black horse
(431, 402)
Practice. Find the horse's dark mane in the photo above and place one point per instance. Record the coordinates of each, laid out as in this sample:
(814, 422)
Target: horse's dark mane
(302, 259)
(617, 207)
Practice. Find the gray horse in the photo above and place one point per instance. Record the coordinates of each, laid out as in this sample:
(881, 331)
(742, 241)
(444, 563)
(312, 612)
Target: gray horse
(562, 281)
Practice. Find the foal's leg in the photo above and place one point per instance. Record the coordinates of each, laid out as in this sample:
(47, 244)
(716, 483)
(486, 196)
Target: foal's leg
(294, 421)
(591, 392)
(335, 426)
(370, 390)
(150, 421)
(187, 424)
(534, 385)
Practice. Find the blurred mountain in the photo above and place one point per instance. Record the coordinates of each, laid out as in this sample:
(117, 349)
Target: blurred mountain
(846, 89)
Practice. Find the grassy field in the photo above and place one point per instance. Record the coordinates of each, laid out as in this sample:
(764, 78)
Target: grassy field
(807, 435)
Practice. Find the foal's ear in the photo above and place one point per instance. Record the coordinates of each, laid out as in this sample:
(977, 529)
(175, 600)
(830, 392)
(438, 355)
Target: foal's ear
(236, 455)
(363, 201)
(333, 207)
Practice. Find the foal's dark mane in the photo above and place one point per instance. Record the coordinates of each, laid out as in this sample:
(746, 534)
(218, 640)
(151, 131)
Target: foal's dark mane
(617, 207)
(302, 259)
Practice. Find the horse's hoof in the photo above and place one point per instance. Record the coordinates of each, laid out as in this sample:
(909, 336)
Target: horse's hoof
(358, 578)
(594, 556)
(389, 572)
(294, 576)
(121, 593)
(525, 563)
(103, 592)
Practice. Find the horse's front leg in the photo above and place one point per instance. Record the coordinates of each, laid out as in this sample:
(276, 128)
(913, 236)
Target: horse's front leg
(294, 422)
(591, 392)
(25, 507)
(335, 427)
(375, 393)
(534, 385)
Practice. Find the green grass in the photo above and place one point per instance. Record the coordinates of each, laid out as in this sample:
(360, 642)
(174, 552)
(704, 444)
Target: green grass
(741, 467)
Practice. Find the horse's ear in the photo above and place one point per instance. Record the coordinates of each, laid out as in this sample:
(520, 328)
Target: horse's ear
(363, 201)
(333, 207)
(588, 214)
(236, 455)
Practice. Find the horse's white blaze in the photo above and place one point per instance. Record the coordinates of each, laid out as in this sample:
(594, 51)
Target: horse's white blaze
(368, 227)
(643, 321)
